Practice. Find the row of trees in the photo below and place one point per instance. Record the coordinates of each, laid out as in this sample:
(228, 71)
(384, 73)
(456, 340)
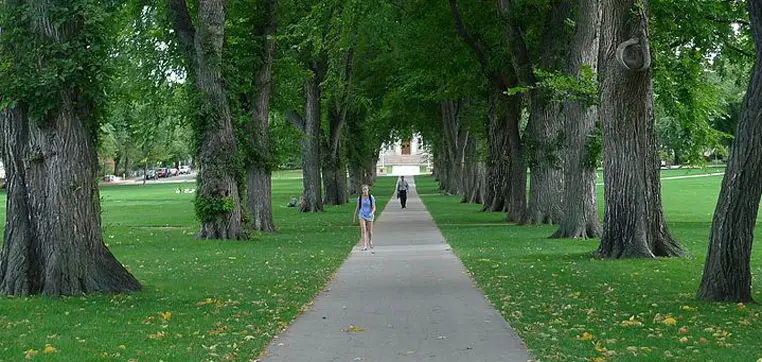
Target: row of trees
(500, 88)
(569, 85)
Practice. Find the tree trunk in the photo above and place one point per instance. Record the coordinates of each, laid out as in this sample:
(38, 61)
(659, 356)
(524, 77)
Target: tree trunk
(727, 271)
(117, 162)
(580, 216)
(546, 186)
(544, 130)
(218, 201)
(634, 225)
(498, 158)
(313, 200)
(456, 141)
(53, 240)
(334, 167)
(259, 160)
(516, 188)
(126, 166)
(470, 174)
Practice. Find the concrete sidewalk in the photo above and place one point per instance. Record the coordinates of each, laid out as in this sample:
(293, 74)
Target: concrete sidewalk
(410, 301)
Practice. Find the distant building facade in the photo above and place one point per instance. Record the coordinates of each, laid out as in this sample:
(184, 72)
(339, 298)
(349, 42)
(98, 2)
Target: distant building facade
(405, 157)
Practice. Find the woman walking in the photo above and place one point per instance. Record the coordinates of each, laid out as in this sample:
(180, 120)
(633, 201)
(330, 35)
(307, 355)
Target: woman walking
(366, 210)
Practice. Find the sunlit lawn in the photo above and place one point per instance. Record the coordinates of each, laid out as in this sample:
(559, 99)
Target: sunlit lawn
(568, 305)
(203, 300)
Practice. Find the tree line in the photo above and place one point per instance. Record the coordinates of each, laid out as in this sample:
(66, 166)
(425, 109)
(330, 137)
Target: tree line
(519, 101)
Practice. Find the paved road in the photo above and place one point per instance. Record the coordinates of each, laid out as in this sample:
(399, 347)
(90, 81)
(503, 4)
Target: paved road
(410, 301)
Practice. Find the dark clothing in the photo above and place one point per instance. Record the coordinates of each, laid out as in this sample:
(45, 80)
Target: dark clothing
(403, 198)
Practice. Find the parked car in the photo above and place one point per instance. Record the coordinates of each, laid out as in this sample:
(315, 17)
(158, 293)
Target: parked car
(185, 170)
(173, 171)
(151, 175)
(162, 172)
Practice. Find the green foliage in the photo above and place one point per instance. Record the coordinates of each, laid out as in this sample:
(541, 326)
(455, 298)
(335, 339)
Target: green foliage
(40, 64)
(211, 209)
(565, 88)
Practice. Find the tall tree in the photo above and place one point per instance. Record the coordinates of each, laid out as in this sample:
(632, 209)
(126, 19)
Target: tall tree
(259, 161)
(51, 93)
(502, 109)
(542, 138)
(634, 224)
(727, 271)
(334, 166)
(218, 199)
(580, 117)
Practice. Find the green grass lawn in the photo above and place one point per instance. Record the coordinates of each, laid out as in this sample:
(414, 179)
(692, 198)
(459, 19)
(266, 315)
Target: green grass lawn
(568, 305)
(202, 300)
(681, 172)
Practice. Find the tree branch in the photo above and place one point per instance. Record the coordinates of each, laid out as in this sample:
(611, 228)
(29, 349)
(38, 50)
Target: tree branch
(519, 52)
(183, 25)
(460, 28)
(296, 119)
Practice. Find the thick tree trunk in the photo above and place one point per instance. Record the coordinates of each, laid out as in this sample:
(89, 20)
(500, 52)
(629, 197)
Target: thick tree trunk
(456, 141)
(546, 186)
(727, 271)
(259, 160)
(544, 131)
(53, 240)
(126, 166)
(218, 200)
(516, 188)
(334, 167)
(313, 200)
(471, 180)
(580, 216)
(356, 178)
(634, 225)
(498, 158)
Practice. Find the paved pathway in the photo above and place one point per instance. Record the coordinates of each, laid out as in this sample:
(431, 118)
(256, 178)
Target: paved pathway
(410, 301)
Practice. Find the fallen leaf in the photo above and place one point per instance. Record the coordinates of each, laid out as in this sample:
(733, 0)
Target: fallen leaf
(683, 330)
(688, 308)
(30, 353)
(165, 315)
(157, 335)
(49, 349)
(683, 339)
(670, 321)
(585, 337)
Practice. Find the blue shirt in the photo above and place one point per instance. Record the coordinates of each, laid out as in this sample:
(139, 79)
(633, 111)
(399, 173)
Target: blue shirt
(366, 208)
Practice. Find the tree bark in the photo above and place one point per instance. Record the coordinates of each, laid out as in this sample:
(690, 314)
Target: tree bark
(259, 162)
(313, 200)
(456, 140)
(544, 130)
(516, 192)
(727, 271)
(53, 242)
(580, 215)
(634, 225)
(218, 201)
(471, 180)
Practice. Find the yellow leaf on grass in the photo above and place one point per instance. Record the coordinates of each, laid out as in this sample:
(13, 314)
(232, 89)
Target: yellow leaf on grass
(688, 308)
(741, 307)
(670, 321)
(585, 337)
(598, 359)
(206, 301)
(631, 322)
(684, 340)
(600, 347)
(165, 315)
(157, 335)
(30, 353)
(49, 349)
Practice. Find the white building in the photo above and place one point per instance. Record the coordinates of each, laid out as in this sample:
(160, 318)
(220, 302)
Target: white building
(405, 157)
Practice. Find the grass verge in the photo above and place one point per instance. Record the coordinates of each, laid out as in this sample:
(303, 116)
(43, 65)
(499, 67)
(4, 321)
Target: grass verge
(567, 305)
(203, 300)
